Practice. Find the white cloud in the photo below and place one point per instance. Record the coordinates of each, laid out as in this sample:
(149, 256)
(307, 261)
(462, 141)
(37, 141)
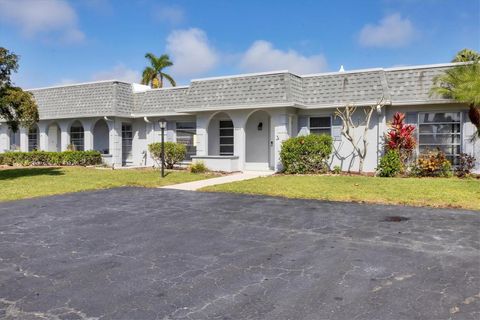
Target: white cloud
(191, 53)
(118, 72)
(170, 14)
(45, 17)
(392, 31)
(262, 56)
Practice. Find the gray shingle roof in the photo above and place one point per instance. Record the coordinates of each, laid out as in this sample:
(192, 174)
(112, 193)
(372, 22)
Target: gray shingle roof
(160, 100)
(114, 98)
(238, 91)
(84, 100)
(412, 84)
(342, 88)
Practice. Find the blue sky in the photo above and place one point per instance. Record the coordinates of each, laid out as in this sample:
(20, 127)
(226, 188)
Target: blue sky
(85, 40)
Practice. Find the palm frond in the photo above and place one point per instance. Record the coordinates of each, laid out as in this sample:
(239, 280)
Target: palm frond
(170, 79)
(461, 83)
(150, 56)
(148, 75)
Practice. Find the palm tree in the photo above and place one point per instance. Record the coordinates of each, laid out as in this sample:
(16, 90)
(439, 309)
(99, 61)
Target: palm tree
(153, 75)
(462, 83)
(466, 55)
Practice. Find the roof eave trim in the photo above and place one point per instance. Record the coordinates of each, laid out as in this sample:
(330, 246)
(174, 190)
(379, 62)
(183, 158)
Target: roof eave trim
(424, 102)
(77, 84)
(343, 104)
(159, 114)
(242, 107)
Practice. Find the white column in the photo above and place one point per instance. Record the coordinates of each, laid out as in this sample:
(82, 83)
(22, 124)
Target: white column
(239, 120)
(87, 134)
(24, 139)
(4, 137)
(64, 135)
(202, 134)
(280, 134)
(43, 136)
(115, 141)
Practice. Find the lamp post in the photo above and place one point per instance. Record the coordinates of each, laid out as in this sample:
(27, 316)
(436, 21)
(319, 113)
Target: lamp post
(163, 125)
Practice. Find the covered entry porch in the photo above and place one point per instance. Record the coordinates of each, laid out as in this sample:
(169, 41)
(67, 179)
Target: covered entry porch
(243, 140)
(110, 136)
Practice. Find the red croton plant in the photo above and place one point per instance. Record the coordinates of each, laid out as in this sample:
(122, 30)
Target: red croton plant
(400, 137)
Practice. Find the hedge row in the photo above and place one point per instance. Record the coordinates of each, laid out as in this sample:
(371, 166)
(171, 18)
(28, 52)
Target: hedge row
(44, 158)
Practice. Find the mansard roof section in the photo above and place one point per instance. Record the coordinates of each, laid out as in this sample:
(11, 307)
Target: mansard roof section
(102, 98)
(242, 90)
(403, 85)
(336, 89)
(410, 85)
(160, 101)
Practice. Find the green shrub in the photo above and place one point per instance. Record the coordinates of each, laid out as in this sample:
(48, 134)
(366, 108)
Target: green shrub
(174, 153)
(198, 167)
(432, 164)
(45, 158)
(337, 170)
(390, 164)
(306, 154)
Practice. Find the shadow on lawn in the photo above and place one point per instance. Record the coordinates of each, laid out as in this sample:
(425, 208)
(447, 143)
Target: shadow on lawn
(9, 174)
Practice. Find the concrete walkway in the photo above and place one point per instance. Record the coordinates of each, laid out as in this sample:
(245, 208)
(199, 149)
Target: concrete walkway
(238, 176)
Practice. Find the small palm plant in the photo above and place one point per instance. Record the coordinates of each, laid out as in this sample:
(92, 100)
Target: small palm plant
(153, 75)
(462, 83)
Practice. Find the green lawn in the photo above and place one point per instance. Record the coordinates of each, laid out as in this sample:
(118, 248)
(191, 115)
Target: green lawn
(435, 192)
(33, 182)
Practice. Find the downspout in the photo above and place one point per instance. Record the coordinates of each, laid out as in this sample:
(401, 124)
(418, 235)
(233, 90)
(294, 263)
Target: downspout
(144, 152)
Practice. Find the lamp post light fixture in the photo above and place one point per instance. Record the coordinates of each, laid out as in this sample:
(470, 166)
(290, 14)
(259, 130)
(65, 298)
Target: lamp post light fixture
(163, 124)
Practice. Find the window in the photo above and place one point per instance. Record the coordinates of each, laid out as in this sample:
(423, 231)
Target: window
(226, 138)
(77, 136)
(186, 132)
(14, 140)
(321, 125)
(440, 130)
(33, 139)
(127, 138)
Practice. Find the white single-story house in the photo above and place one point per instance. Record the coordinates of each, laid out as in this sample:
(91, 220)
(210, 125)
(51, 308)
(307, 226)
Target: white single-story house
(238, 122)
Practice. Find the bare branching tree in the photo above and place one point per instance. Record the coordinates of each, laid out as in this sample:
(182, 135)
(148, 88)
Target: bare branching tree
(349, 129)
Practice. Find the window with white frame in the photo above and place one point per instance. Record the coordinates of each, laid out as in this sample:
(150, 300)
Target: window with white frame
(33, 139)
(185, 132)
(320, 125)
(226, 137)
(440, 131)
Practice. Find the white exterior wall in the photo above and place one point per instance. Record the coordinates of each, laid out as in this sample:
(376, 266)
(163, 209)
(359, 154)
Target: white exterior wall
(4, 137)
(344, 154)
(278, 123)
(147, 131)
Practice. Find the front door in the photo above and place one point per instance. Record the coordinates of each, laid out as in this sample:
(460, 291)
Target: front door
(257, 134)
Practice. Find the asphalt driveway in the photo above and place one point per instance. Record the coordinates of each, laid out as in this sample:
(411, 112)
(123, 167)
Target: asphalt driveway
(135, 253)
